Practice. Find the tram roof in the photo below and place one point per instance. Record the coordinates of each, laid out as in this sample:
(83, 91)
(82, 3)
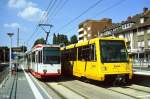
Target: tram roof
(46, 45)
(90, 42)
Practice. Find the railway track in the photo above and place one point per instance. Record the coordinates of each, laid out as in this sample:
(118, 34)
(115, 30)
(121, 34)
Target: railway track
(80, 90)
(74, 89)
(65, 92)
(135, 91)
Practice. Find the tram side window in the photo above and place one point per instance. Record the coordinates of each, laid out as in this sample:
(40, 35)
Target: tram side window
(33, 57)
(87, 53)
(83, 53)
(40, 56)
(65, 55)
(69, 56)
(73, 54)
(92, 52)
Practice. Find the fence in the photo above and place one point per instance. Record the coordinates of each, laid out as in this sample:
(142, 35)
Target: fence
(141, 64)
(4, 74)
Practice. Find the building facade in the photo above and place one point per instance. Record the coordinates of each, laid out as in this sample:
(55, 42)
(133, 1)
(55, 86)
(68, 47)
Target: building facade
(91, 28)
(136, 31)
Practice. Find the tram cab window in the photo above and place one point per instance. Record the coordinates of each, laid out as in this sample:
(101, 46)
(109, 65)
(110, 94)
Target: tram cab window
(113, 51)
(51, 55)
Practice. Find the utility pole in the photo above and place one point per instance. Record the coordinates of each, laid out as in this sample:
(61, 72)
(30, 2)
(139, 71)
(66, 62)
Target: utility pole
(18, 37)
(45, 30)
(10, 50)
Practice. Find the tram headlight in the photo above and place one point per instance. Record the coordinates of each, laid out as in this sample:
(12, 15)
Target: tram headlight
(44, 71)
(58, 70)
(103, 68)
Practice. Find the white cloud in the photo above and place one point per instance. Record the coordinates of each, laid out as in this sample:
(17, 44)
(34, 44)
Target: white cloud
(17, 3)
(12, 25)
(31, 13)
(20, 4)
(28, 10)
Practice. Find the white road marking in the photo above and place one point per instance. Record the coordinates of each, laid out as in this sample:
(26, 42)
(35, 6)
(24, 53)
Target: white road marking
(34, 89)
(145, 96)
(146, 73)
(41, 87)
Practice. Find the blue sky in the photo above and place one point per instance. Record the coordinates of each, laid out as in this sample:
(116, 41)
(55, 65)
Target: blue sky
(26, 14)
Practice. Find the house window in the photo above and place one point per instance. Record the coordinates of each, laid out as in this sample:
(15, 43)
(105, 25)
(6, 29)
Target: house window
(128, 25)
(148, 31)
(121, 36)
(123, 27)
(142, 20)
(140, 44)
(140, 32)
(89, 28)
(149, 43)
(127, 36)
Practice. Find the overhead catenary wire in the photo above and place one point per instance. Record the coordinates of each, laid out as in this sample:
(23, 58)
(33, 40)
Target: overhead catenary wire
(112, 6)
(93, 6)
(108, 8)
(84, 12)
(56, 10)
(49, 7)
(57, 4)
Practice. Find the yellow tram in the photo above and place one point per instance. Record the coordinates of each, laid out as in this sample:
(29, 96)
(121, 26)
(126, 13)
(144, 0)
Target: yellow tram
(97, 59)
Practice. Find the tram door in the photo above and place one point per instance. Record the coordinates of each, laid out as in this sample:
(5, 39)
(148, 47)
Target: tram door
(81, 62)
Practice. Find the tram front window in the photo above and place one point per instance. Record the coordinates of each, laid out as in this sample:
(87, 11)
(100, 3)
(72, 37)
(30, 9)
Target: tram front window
(113, 51)
(51, 55)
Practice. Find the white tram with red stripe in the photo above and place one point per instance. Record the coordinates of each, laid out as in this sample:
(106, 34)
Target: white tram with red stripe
(44, 61)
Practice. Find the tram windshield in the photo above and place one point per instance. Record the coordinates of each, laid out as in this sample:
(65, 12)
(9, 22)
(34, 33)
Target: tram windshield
(51, 55)
(113, 51)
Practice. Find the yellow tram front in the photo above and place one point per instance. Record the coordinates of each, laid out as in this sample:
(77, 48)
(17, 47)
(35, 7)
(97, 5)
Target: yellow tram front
(114, 59)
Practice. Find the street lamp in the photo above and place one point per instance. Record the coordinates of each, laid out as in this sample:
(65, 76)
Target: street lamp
(10, 36)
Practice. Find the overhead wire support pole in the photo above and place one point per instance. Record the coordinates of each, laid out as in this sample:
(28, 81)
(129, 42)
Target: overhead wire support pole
(45, 30)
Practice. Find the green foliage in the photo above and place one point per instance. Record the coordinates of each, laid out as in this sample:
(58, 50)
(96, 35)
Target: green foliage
(40, 41)
(54, 39)
(73, 39)
(23, 48)
(60, 38)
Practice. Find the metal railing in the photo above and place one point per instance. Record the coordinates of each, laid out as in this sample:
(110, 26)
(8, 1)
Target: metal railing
(4, 74)
(141, 64)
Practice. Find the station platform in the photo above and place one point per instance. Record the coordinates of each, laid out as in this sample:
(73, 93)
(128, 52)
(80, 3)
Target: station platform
(141, 71)
(20, 85)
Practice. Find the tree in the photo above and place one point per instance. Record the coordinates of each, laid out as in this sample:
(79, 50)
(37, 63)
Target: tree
(54, 39)
(73, 39)
(60, 38)
(24, 48)
(40, 41)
